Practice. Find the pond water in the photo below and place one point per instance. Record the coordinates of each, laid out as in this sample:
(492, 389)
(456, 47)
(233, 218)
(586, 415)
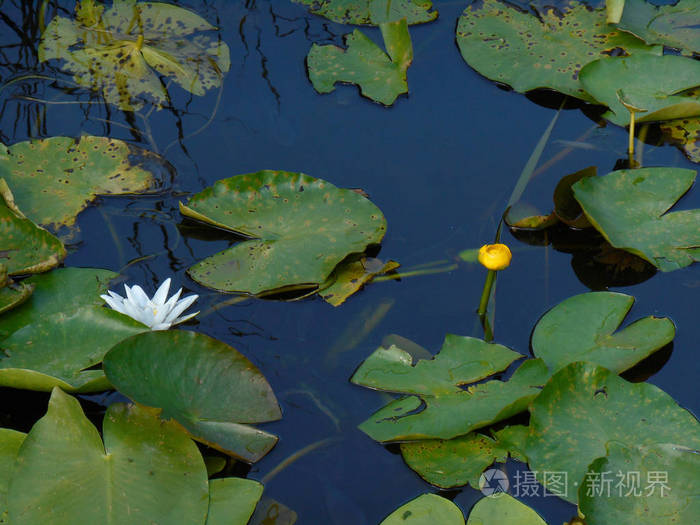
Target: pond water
(440, 163)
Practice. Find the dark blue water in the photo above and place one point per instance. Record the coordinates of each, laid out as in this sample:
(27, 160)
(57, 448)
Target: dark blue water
(440, 163)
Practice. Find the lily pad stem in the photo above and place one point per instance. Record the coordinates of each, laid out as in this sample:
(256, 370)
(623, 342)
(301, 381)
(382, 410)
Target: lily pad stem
(630, 146)
(486, 293)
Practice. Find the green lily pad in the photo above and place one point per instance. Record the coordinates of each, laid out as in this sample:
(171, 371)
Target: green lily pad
(54, 179)
(656, 484)
(207, 386)
(614, 8)
(503, 510)
(232, 500)
(10, 442)
(581, 328)
(381, 76)
(26, 247)
(300, 229)
(428, 509)
(350, 277)
(653, 84)
(630, 208)
(12, 294)
(121, 50)
(583, 408)
(447, 413)
(671, 25)
(526, 52)
(147, 470)
(454, 462)
(372, 12)
(61, 349)
(58, 291)
(686, 134)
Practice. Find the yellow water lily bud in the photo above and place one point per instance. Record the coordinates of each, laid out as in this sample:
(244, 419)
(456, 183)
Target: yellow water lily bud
(495, 256)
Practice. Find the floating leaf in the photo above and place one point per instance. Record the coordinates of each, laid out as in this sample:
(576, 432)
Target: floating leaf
(671, 25)
(301, 228)
(12, 294)
(650, 83)
(629, 207)
(348, 278)
(114, 49)
(614, 8)
(454, 462)
(582, 408)
(146, 465)
(232, 500)
(656, 484)
(60, 290)
(581, 328)
(54, 179)
(10, 442)
(526, 52)
(428, 509)
(372, 12)
(24, 246)
(204, 384)
(61, 349)
(381, 76)
(685, 133)
(503, 510)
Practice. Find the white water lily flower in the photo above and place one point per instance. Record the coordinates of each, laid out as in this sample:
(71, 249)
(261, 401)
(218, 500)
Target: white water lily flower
(156, 313)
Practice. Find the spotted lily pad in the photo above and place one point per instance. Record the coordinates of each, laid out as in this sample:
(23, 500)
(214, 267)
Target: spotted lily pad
(121, 49)
(503, 510)
(12, 294)
(372, 12)
(207, 386)
(54, 179)
(583, 408)
(381, 76)
(526, 52)
(428, 509)
(686, 134)
(582, 328)
(671, 25)
(350, 277)
(653, 84)
(300, 229)
(24, 246)
(630, 208)
(656, 484)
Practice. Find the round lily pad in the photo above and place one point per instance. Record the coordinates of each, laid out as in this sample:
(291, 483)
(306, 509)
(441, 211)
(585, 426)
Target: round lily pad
(300, 229)
(207, 386)
(503, 510)
(372, 12)
(428, 509)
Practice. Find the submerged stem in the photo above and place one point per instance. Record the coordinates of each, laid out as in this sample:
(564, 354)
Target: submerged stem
(486, 293)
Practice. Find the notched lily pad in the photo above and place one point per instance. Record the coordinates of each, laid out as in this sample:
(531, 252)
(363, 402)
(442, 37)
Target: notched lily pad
(24, 246)
(630, 209)
(54, 179)
(372, 12)
(428, 509)
(121, 50)
(503, 510)
(350, 277)
(526, 52)
(211, 389)
(12, 294)
(381, 76)
(686, 134)
(300, 229)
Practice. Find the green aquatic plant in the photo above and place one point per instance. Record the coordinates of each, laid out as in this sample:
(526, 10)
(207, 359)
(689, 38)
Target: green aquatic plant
(503, 510)
(122, 49)
(381, 76)
(372, 12)
(427, 509)
(12, 294)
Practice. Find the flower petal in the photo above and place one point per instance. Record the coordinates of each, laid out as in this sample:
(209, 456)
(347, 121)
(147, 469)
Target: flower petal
(185, 318)
(180, 307)
(139, 296)
(114, 304)
(161, 293)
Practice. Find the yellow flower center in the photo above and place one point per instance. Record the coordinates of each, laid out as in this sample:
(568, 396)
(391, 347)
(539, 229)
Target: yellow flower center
(495, 256)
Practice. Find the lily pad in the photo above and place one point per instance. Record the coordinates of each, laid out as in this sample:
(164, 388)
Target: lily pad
(686, 134)
(300, 229)
(447, 412)
(503, 510)
(428, 509)
(656, 484)
(381, 76)
(207, 386)
(121, 50)
(10, 442)
(372, 12)
(581, 328)
(454, 462)
(26, 247)
(58, 291)
(526, 52)
(61, 349)
(350, 277)
(630, 208)
(653, 84)
(54, 179)
(12, 294)
(583, 408)
(145, 465)
(232, 500)
(671, 25)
